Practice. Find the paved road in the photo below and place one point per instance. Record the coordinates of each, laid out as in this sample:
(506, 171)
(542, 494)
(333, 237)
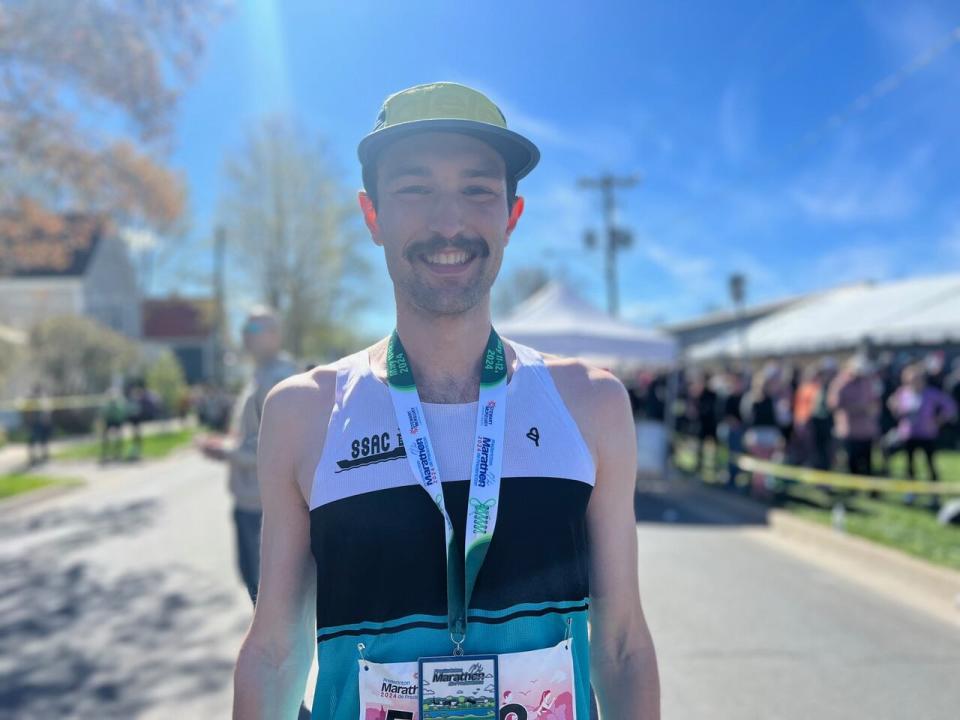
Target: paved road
(746, 631)
(120, 600)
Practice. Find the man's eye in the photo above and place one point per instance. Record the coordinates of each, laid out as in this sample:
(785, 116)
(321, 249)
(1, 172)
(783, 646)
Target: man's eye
(413, 190)
(478, 191)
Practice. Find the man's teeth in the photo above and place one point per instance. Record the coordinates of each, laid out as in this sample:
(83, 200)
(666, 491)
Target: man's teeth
(448, 258)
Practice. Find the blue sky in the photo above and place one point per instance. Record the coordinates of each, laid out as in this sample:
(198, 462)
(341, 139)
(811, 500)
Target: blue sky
(797, 141)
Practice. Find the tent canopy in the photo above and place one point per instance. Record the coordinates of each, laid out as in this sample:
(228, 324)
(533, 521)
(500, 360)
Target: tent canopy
(920, 311)
(555, 320)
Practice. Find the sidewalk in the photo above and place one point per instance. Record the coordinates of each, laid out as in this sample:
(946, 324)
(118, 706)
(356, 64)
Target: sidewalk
(13, 456)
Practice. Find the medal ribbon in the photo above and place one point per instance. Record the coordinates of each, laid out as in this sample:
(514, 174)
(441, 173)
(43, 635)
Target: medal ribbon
(485, 475)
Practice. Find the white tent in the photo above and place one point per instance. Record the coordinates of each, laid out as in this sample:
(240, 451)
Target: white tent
(923, 310)
(555, 320)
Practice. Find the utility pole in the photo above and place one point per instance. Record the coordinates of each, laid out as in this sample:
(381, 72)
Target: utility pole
(617, 238)
(738, 294)
(219, 332)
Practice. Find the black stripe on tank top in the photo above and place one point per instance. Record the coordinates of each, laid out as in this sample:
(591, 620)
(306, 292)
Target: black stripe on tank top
(538, 612)
(380, 555)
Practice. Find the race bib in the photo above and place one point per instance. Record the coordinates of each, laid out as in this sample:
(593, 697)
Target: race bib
(535, 684)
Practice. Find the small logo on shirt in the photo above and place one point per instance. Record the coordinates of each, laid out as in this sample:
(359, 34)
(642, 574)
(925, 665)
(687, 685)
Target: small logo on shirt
(534, 435)
(371, 449)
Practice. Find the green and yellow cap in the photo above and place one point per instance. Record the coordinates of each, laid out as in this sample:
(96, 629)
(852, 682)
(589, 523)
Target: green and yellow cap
(451, 107)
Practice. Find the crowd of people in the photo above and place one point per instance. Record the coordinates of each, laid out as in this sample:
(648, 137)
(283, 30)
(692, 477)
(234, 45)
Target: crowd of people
(853, 416)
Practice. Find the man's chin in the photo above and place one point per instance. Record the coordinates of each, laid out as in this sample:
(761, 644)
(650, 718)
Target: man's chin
(448, 301)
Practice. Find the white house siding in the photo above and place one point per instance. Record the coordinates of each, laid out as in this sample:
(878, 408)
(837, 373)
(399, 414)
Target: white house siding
(111, 294)
(26, 301)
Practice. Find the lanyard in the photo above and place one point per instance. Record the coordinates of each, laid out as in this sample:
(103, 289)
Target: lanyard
(485, 475)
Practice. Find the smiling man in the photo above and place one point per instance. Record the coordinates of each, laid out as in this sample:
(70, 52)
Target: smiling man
(447, 510)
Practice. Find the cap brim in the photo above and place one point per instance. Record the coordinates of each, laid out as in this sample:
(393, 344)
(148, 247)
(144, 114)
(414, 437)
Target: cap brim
(520, 155)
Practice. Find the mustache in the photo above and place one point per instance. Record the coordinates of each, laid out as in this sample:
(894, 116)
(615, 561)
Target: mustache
(474, 245)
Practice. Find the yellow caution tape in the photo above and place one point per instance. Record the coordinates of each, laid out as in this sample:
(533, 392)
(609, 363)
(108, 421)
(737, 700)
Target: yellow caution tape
(54, 403)
(828, 478)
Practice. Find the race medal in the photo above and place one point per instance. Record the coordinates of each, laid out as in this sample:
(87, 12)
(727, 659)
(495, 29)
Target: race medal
(460, 687)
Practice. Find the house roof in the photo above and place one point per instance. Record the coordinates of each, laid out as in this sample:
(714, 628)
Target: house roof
(919, 310)
(176, 317)
(48, 245)
(721, 317)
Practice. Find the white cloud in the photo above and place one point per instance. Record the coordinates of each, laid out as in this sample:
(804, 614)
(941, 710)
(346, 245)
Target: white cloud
(856, 263)
(736, 123)
(949, 244)
(850, 190)
(694, 270)
(649, 311)
(139, 239)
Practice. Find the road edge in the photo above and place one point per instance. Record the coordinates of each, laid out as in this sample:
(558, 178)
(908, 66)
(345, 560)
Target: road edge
(907, 579)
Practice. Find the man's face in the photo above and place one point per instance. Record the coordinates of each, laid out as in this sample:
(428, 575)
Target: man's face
(442, 219)
(261, 338)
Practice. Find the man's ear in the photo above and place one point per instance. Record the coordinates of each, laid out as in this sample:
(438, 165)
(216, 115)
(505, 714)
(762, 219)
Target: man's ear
(515, 212)
(369, 215)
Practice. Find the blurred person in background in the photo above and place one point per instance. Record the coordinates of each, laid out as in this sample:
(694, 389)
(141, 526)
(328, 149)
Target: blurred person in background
(821, 417)
(113, 416)
(935, 369)
(262, 340)
(889, 381)
(731, 423)
(654, 403)
(704, 402)
(38, 419)
(951, 386)
(763, 438)
(138, 411)
(804, 401)
(854, 397)
(921, 410)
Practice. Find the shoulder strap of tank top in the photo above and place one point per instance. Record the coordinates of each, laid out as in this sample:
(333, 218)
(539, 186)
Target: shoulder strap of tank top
(349, 370)
(526, 355)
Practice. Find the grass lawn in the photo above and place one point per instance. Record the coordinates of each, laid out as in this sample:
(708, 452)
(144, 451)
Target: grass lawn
(886, 520)
(154, 446)
(17, 483)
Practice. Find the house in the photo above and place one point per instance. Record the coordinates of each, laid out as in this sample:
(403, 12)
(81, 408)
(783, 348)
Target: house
(185, 326)
(715, 324)
(66, 264)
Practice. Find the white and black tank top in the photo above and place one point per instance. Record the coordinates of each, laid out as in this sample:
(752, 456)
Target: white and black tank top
(378, 539)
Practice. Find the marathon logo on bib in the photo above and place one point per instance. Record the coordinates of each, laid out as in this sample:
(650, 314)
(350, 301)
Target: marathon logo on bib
(425, 462)
(393, 689)
(484, 450)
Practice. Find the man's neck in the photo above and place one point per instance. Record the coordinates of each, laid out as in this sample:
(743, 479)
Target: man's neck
(445, 351)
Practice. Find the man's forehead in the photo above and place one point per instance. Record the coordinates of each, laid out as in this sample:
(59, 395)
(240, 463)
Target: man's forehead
(420, 154)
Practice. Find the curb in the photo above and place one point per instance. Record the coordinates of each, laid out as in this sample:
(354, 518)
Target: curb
(39, 495)
(904, 578)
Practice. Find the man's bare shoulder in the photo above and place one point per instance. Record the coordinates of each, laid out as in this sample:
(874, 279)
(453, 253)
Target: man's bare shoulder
(297, 410)
(594, 397)
(311, 392)
(585, 384)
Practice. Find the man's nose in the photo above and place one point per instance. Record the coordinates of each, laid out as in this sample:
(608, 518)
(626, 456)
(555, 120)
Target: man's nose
(446, 216)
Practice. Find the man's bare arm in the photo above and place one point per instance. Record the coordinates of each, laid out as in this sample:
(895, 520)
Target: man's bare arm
(623, 661)
(275, 657)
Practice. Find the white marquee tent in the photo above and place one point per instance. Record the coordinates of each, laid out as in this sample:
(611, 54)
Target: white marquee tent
(555, 320)
(918, 311)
